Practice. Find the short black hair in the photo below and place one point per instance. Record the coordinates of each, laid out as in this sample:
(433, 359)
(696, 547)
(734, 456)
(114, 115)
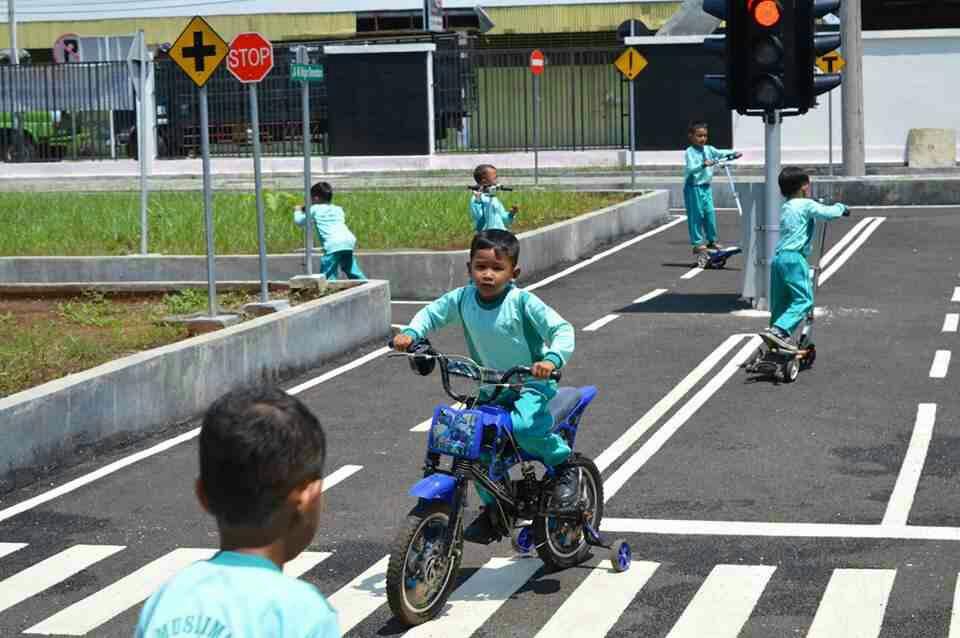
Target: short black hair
(256, 444)
(792, 179)
(695, 124)
(503, 243)
(481, 170)
(322, 191)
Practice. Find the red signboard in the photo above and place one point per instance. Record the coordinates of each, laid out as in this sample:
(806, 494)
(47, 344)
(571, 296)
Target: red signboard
(250, 58)
(536, 62)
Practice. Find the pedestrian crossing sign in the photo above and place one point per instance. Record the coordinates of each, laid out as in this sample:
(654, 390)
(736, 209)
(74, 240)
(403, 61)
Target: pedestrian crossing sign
(630, 63)
(198, 51)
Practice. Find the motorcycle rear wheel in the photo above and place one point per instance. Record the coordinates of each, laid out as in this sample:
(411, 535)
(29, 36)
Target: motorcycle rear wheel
(560, 542)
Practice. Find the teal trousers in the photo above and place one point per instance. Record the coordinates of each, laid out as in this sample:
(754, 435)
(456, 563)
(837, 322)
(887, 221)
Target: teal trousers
(791, 291)
(701, 215)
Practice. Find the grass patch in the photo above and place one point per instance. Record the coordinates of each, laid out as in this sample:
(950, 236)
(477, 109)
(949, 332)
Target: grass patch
(109, 223)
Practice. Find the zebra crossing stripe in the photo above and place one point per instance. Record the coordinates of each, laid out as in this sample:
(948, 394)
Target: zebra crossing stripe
(724, 602)
(599, 601)
(955, 614)
(9, 548)
(362, 596)
(304, 563)
(853, 604)
(47, 573)
(476, 600)
(86, 615)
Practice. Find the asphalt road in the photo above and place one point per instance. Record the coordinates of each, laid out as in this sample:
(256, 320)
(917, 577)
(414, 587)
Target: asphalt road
(826, 508)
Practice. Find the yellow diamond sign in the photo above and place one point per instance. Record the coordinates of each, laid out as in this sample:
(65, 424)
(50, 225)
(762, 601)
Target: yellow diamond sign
(198, 51)
(831, 62)
(630, 63)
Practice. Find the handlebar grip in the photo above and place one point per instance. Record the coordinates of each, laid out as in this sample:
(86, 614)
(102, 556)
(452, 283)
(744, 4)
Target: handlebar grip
(556, 375)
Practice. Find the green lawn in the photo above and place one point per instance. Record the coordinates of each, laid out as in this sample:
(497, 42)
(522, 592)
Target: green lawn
(109, 223)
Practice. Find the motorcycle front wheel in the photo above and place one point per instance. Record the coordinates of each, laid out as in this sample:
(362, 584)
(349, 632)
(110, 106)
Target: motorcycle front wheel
(421, 574)
(560, 541)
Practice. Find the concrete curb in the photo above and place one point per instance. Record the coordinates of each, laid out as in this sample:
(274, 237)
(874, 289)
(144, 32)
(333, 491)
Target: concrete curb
(412, 274)
(154, 389)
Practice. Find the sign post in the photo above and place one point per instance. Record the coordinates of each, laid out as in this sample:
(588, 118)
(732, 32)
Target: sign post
(302, 60)
(198, 52)
(630, 64)
(830, 63)
(250, 60)
(536, 68)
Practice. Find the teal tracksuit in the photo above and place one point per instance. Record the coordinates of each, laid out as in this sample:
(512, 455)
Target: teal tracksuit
(338, 242)
(488, 213)
(697, 196)
(791, 290)
(516, 330)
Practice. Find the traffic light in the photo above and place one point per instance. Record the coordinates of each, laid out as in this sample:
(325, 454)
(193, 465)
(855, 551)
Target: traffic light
(810, 45)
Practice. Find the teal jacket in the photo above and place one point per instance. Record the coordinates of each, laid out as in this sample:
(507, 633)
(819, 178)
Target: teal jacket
(797, 222)
(330, 224)
(695, 173)
(516, 330)
(488, 214)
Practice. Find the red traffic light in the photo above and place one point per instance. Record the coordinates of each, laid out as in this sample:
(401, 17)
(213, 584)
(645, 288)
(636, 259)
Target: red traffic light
(766, 13)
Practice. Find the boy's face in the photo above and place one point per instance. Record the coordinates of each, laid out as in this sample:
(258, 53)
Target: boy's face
(489, 177)
(699, 136)
(491, 272)
(807, 188)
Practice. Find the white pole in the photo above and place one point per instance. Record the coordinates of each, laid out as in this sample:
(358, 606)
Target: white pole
(142, 141)
(15, 60)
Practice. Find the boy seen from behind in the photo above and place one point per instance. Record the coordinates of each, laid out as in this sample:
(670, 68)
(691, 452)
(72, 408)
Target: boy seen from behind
(699, 160)
(505, 326)
(791, 288)
(261, 464)
(330, 224)
(486, 210)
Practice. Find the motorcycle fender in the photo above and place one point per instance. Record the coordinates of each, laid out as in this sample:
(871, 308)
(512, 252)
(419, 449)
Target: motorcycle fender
(436, 487)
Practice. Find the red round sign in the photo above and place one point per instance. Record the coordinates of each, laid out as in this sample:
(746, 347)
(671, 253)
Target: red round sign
(250, 57)
(536, 62)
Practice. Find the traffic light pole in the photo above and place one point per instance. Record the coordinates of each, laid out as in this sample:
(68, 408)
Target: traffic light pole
(770, 227)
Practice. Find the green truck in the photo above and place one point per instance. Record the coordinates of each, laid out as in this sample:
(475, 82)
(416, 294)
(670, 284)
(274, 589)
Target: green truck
(47, 135)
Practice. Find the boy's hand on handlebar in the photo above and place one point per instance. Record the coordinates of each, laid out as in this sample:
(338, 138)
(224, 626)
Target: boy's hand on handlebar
(709, 162)
(515, 209)
(543, 369)
(846, 211)
(402, 342)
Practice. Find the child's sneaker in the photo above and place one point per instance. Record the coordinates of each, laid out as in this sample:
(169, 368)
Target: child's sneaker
(714, 246)
(780, 338)
(566, 490)
(700, 248)
(481, 530)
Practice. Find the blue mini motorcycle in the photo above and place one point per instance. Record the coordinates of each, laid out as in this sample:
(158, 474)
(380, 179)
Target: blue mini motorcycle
(477, 442)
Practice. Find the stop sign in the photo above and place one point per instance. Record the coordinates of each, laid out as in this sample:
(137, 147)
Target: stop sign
(536, 62)
(250, 57)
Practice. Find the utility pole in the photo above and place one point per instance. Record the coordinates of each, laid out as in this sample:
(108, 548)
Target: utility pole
(14, 59)
(851, 21)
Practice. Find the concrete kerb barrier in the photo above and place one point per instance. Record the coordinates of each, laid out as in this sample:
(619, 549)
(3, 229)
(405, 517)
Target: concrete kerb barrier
(412, 274)
(154, 389)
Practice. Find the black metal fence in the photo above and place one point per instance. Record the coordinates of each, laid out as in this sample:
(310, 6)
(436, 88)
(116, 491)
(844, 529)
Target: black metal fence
(58, 111)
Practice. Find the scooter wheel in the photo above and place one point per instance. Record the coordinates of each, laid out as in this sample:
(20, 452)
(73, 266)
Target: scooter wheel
(808, 360)
(522, 540)
(722, 263)
(620, 555)
(703, 260)
(791, 369)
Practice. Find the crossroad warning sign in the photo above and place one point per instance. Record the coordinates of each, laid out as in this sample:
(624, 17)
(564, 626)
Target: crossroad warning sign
(198, 51)
(831, 62)
(630, 63)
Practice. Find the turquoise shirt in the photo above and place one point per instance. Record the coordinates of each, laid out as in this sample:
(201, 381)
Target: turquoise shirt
(797, 222)
(516, 330)
(694, 170)
(236, 595)
(488, 213)
(331, 226)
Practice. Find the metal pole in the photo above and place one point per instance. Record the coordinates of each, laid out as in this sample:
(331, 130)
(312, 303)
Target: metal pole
(830, 139)
(772, 198)
(258, 190)
(536, 130)
(302, 58)
(142, 143)
(851, 100)
(15, 60)
(208, 203)
(633, 126)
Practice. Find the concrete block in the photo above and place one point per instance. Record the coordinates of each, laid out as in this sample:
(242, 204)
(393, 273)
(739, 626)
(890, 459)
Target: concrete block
(259, 309)
(302, 282)
(931, 147)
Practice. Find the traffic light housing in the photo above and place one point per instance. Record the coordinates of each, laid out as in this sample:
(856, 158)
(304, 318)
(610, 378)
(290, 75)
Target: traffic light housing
(770, 48)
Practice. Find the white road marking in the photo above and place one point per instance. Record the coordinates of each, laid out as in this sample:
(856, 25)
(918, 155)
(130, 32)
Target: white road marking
(361, 596)
(596, 604)
(842, 259)
(599, 323)
(693, 272)
(86, 615)
(340, 475)
(846, 239)
(9, 548)
(479, 597)
(424, 426)
(898, 508)
(674, 423)
(638, 429)
(951, 322)
(955, 614)
(410, 303)
(336, 372)
(304, 563)
(941, 363)
(47, 573)
(956, 294)
(723, 603)
(606, 253)
(686, 527)
(853, 604)
(653, 294)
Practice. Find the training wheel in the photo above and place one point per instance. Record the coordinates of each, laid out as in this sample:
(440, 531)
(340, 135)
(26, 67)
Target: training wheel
(791, 369)
(522, 540)
(620, 555)
(810, 357)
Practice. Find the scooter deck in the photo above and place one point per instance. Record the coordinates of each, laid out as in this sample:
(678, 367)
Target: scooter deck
(775, 348)
(717, 258)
